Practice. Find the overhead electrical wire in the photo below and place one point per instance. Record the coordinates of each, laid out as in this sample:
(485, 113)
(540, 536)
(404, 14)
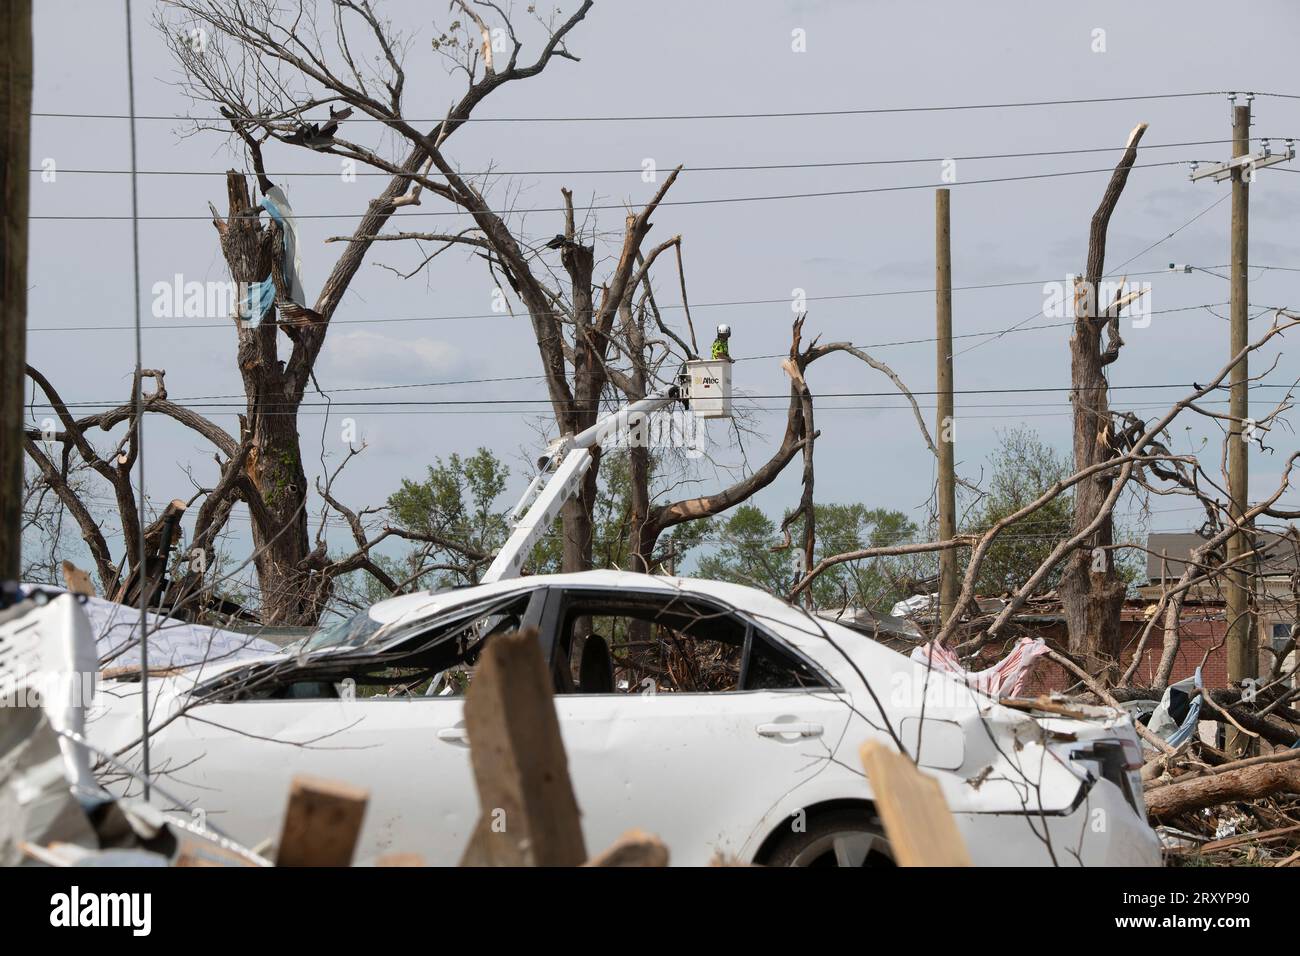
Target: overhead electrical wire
(463, 402)
(687, 168)
(320, 411)
(743, 358)
(878, 537)
(715, 201)
(1110, 273)
(671, 306)
(1209, 307)
(662, 117)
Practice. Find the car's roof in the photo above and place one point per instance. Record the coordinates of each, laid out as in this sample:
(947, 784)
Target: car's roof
(413, 607)
(797, 626)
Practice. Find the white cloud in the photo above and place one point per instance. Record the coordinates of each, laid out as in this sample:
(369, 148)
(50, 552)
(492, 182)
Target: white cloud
(371, 358)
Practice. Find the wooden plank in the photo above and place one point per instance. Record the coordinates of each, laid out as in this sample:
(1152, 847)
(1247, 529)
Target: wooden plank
(192, 850)
(633, 848)
(528, 814)
(76, 580)
(921, 829)
(321, 823)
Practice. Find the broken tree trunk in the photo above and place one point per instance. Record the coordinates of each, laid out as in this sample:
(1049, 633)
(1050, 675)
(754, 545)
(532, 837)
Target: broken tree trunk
(274, 482)
(159, 538)
(1091, 590)
(528, 813)
(1248, 783)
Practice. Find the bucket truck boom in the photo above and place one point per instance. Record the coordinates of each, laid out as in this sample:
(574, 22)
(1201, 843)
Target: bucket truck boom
(704, 387)
(559, 477)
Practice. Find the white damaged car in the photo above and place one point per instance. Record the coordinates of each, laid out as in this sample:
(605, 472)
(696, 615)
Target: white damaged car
(713, 715)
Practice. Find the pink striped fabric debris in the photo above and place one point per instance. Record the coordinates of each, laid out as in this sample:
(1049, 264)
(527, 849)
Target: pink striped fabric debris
(1005, 678)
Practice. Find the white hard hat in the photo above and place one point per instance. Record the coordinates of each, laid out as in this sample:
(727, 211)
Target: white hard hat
(724, 330)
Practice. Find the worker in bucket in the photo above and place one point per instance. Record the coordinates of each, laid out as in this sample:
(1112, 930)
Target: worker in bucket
(720, 349)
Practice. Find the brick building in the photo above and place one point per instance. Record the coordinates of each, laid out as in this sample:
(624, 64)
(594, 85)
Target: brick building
(1203, 621)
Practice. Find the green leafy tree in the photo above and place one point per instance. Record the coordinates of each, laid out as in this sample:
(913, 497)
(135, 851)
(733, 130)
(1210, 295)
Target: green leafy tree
(1023, 467)
(613, 522)
(458, 507)
(744, 552)
(745, 555)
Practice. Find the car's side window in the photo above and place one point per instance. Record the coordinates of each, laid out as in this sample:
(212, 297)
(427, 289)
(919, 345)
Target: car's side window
(769, 667)
(640, 651)
(652, 644)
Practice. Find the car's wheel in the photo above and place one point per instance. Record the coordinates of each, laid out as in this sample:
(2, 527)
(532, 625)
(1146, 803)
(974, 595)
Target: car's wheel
(837, 838)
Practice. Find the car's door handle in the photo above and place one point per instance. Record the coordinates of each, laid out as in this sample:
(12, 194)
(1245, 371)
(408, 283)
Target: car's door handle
(454, 735)
(790, 729)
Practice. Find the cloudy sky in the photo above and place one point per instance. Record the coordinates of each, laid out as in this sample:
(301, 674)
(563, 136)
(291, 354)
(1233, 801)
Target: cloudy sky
(864, 259)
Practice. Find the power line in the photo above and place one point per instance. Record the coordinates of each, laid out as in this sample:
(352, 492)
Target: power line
(877, 538)
(724, 200)
(1153, 245)
(138, 399)
(471, 402)
(756, 409)
(756, 167)
(747, 358)
(672, 306)
(787, 114)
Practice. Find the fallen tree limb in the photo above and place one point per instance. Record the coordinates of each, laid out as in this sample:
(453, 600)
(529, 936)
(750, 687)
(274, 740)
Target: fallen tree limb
(1247, 783)
(1212, 769)
(1275, 730)
(1224, 844)
(1280, 756)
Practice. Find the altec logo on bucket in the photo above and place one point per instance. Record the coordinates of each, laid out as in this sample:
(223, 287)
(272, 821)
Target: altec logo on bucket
(75, 908)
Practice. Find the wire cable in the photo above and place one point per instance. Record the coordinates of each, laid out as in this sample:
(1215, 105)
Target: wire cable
(672, 306)
(142, 554)
(1109, 274)
(715, 201)
(663, 117)
(473, 402)
(755, 167)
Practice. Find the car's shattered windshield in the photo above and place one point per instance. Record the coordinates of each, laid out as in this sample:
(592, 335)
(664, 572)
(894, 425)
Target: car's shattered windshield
(361, 629)
(347, 632)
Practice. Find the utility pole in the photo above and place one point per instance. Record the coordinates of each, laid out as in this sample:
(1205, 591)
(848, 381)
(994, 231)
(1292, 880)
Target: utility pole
(944, 426)
(1243, 642)
(15, 146)
(1243, 645)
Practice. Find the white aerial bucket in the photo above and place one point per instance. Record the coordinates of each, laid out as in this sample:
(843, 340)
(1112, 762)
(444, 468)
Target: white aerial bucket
(710, 384)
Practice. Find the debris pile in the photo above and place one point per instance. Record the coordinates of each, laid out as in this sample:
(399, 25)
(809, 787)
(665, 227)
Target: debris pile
(1210, 809)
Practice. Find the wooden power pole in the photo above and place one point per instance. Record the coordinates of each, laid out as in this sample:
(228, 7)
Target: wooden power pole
(15, 128)
(1243, 645)
(947, 492)
(1243, 642)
